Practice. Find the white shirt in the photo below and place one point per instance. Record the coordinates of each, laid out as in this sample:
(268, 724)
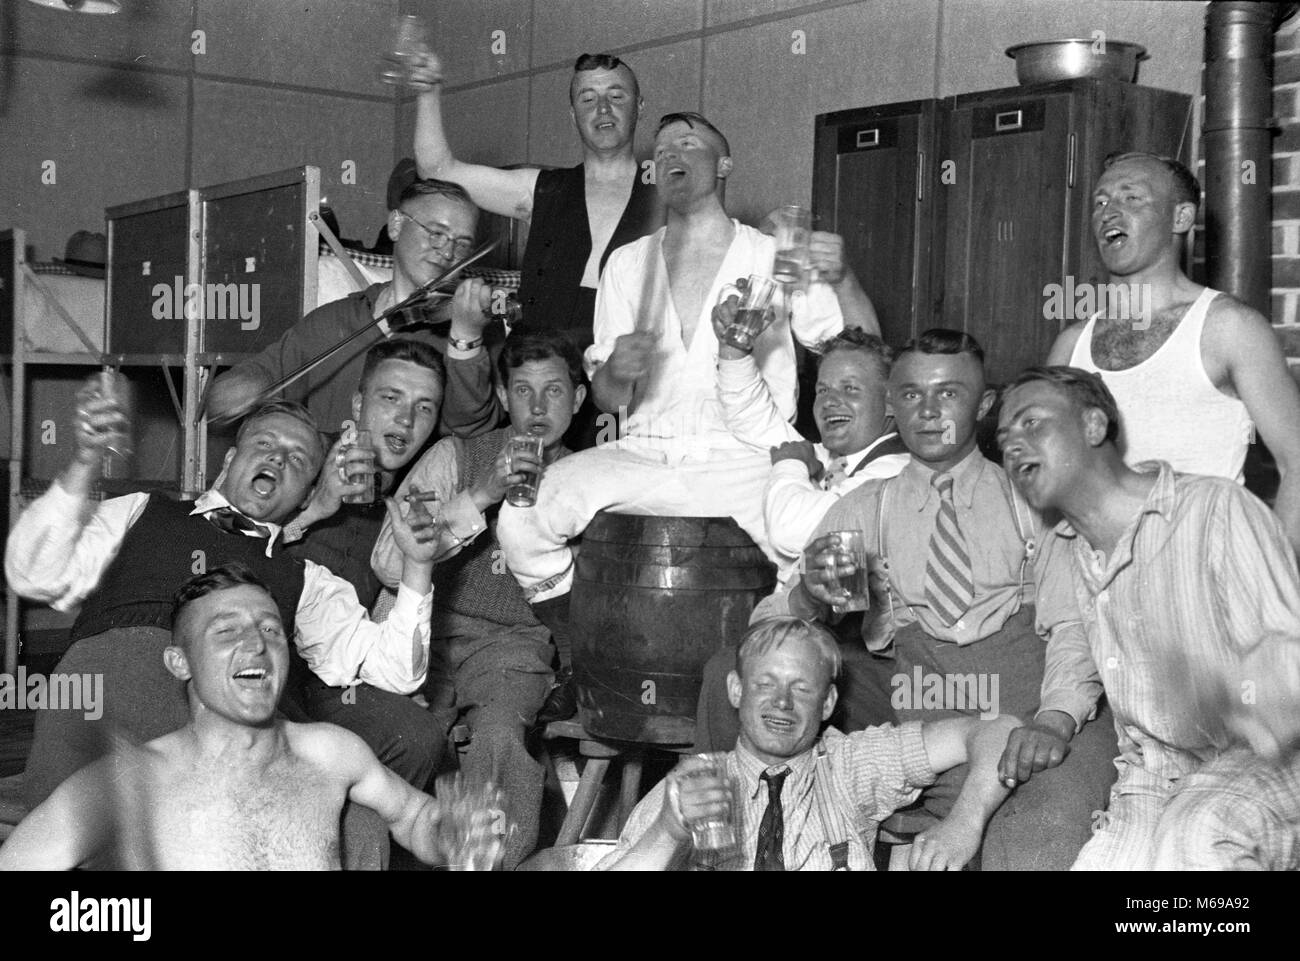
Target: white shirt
(62, 544)
(678, 407)
(793, 505)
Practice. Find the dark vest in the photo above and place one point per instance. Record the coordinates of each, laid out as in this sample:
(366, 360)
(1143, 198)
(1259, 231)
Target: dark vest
(467, 584)
(158, 555)
(559, 244)
(343, 543)
(892, 446)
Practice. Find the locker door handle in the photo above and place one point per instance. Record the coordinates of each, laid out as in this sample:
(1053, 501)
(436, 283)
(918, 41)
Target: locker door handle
(1008, 120)
(869, 137)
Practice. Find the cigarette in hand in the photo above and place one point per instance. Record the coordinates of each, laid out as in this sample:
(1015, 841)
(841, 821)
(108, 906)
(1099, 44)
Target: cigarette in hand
(421, 497)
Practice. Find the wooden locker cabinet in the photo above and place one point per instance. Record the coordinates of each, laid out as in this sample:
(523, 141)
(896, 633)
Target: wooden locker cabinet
(1010, 173)
(872, 185)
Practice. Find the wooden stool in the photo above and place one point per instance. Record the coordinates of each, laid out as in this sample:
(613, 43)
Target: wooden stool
(599, 753)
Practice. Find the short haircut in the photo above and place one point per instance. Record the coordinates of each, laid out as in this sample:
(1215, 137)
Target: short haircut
(288, 408)
(428, 187)
(402, 348)
(231, 574)
(524, 346)
(691, 119)
(1186, 187)
(1083, 387)
(771, 633)
(857, 341)
(602, 61)
(942, 340)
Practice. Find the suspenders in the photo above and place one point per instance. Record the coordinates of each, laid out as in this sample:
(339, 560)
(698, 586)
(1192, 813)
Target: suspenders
(1024, 527)
(833, 817)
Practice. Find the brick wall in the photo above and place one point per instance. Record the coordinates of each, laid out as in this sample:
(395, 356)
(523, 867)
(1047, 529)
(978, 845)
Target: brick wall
(1286, 189)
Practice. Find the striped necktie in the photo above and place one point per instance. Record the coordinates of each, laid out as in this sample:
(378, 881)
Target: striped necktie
(949, 587)
(233, 522)
(768, 855)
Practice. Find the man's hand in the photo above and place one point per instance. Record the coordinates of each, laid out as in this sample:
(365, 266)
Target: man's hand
(491, 488)
(827, 566)
(471, 309)
(100, 423)
(415, 530)
(693, 792)
(424, 72)
(800, 450)
(724, 315)
(1039, 745)
(332, 484)
(826, 255)
(948, 846)
(632, 357)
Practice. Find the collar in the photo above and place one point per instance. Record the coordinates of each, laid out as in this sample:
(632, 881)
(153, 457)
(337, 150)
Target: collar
(213, 500)
(751, 769)
(854, 461)
(966, 474)
(1161, 500)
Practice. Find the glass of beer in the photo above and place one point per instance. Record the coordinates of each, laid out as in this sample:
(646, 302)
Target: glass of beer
(751, 314)
(524, 493)
(853, 543)
(793, 227)
(410, 39)
(108, 384)
(715, 833)
(361, 473)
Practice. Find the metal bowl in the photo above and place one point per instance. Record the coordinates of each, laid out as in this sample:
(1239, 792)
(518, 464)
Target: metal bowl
(1067, 59)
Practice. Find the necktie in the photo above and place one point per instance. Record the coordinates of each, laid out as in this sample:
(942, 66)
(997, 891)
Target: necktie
(771, 830)
(231, 521)
(835, 473)
(949, 587)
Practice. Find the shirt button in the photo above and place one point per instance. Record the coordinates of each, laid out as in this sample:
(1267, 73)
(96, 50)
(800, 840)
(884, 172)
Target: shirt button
(1112, 663)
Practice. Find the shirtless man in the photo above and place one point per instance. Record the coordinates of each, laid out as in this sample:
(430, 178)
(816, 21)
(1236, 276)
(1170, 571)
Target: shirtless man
(1197, 370)
(237, 788)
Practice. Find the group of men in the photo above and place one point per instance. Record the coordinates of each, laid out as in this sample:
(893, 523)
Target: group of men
(1072, 582)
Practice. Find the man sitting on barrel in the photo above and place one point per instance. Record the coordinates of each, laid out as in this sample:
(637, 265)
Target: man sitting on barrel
(499, 655)
(654, 361)
(793, 801)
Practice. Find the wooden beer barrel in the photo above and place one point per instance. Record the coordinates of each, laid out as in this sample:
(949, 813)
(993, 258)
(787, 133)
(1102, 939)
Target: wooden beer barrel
(653, 599)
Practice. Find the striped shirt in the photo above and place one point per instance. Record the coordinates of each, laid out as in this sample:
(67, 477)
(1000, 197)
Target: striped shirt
(873, 773)
(1202, 585)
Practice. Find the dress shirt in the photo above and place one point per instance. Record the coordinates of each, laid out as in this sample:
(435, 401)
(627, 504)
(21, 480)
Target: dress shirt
(981, 493)
(874, 773)
(1205, 575)
(62, 544)
(677, 406)
(460, 521)
(793, 504)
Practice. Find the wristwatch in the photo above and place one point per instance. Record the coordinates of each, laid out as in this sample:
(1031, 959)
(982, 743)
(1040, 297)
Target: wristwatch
(459, 344)
(293, 531)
